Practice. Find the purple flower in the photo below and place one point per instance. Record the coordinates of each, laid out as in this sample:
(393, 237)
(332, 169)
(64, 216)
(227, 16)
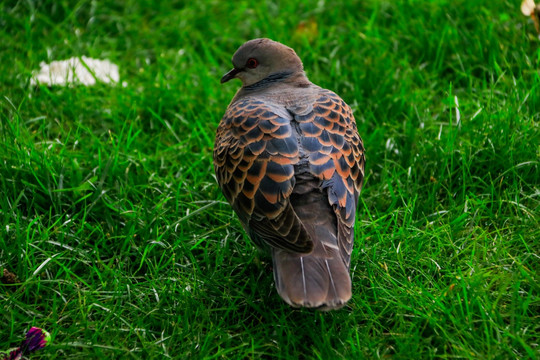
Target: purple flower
(14, 355)
(36, 339)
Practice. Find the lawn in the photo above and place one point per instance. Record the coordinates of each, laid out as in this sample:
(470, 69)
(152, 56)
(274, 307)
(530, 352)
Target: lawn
(124, 247)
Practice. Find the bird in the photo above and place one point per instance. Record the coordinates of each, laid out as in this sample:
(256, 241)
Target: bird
(289, 159)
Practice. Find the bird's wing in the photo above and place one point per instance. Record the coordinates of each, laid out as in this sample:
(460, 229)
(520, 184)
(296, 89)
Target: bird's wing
(329, 138)
(254, 157)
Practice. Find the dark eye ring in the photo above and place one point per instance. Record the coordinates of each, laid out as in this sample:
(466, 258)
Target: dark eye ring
(252, 63)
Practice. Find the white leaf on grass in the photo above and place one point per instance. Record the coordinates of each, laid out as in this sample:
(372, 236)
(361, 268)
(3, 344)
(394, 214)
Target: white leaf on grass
(391, 146)
(83, 71)
(527, 7)
(478, 112)
(43, 264)
(458, 114)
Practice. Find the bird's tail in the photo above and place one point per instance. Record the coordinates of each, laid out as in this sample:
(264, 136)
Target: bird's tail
(316, 280)
(321, 278)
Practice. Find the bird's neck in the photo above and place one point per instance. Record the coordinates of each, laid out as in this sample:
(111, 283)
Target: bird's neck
(269, 81)
(277, 83)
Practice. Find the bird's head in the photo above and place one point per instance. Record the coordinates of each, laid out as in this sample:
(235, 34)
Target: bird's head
(258, 59)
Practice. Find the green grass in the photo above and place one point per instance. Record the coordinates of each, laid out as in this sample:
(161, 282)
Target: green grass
(125, 248)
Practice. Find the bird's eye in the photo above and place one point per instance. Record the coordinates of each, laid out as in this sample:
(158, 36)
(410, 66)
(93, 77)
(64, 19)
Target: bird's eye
(252, 63)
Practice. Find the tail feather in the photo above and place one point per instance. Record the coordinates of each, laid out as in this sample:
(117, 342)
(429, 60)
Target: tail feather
(311, 281)
(321, 278)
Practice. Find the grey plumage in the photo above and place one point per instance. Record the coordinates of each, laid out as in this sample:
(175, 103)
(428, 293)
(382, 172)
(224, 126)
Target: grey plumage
(289, 159)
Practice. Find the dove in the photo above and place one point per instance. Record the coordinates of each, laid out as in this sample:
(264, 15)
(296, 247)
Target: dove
(290, 161)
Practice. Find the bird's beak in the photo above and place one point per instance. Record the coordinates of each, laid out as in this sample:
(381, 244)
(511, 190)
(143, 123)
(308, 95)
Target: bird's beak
(230, 75)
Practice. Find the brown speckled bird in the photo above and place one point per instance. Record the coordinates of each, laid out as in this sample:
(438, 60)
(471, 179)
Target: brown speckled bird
(289, 160)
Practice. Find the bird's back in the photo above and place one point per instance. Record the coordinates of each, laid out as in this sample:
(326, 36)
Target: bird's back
(316, 169)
